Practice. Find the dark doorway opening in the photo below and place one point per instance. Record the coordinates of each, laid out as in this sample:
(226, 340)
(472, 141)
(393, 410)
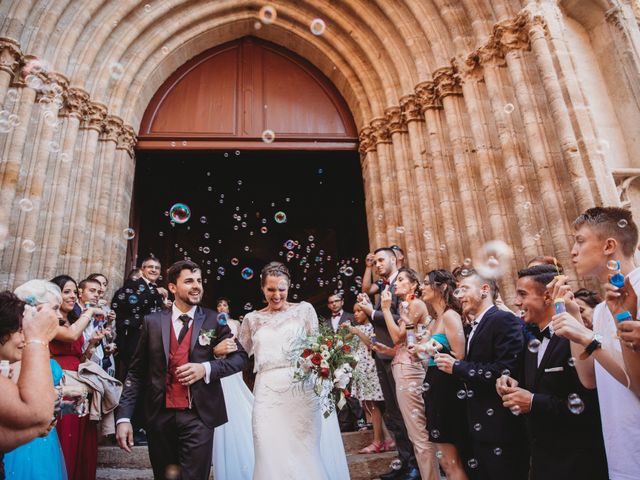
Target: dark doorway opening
(234, 198)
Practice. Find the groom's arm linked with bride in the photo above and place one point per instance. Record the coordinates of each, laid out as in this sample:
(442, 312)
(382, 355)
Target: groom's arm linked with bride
(186, 389)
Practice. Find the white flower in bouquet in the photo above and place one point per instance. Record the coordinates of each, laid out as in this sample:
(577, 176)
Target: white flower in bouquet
(324, 364)
(325, 354)
(324, 348)
(342, 376)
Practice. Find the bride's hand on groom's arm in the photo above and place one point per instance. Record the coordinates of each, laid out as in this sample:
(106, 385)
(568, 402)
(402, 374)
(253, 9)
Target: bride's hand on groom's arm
(225, 347)
(190, 373)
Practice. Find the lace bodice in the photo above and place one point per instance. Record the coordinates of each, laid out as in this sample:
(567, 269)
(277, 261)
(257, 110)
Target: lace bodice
(271, 336)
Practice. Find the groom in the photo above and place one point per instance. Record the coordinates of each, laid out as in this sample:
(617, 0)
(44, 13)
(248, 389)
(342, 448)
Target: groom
(175, 369)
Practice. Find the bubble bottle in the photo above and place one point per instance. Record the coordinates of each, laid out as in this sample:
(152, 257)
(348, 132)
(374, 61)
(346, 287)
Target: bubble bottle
(617, 279)
(560, 305)
(4, 368)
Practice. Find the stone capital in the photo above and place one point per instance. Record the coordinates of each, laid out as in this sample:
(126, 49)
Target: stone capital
(75, 103)
(491, 53)
(616, 17)
(426, 96)
(447, 82)
(395, 120)
(127, 140)
(513, 34)
(381, 133)
(366, 141)
(95, 114)
(410, 108)
(468, 68)
(111, 128)
(10, 55)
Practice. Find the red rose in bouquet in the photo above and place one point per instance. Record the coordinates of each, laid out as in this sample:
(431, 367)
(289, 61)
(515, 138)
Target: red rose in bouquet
(328, 343)
(346, 348)
(325, 372)
(307, 352)
(316, 359)
(346, 393)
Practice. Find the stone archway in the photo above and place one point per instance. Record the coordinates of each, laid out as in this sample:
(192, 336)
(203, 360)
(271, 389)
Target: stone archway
(472, 119)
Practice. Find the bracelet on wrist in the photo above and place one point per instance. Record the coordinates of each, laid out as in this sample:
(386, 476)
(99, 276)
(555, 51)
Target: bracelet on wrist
(37, 342)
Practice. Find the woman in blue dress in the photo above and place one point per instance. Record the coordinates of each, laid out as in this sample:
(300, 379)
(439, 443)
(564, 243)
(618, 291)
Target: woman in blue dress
(42, 457)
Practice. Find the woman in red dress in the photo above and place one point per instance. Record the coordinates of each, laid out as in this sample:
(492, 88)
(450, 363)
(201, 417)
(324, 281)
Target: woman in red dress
(78, 435)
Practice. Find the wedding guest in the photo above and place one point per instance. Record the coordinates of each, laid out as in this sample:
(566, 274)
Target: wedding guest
(26, 409)
(562, 415)
(605, 234)
(366, 385)
(587, 300)
(387, 270)
(102, 280)
(445, 412)
(78, 435)
(103, 352)
(21, 464)
(408, 371)
(369, 282)
(335, 304)
(494, 345)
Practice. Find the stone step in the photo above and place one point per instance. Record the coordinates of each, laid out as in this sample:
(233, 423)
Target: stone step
(113, 463)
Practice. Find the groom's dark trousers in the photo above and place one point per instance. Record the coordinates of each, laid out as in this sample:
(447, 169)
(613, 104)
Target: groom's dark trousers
(180, 420)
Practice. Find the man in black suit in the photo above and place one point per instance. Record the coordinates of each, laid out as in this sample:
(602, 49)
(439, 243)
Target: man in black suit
(387, 270)
(335, 304)
(138, 297)
(562, 415)
(175, 369)
(494, 346)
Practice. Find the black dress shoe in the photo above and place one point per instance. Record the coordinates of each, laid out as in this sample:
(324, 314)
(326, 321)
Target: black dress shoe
(140, 438)
(394, 474)
(411, 474)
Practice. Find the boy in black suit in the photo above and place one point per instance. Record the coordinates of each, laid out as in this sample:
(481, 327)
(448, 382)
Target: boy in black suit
(494, 345)
(562, 415)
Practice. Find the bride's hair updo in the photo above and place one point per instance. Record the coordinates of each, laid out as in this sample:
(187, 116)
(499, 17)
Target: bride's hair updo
(274, 269)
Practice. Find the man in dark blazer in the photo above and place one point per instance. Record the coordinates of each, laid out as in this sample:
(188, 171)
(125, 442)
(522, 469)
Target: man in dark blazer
(138, 297)
(335, 304)
(563, 416)
(385, 264)
(175, 369)
(498, 449)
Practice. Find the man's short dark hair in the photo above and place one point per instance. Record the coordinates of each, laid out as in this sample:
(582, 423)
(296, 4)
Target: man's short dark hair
(149, 258)
(493, 285)
(222, 299)
(83, 283)
(612, 222)
(541, 274)
(174, 270)
(396, 248)
(11, 312)
(336, 294)
(589, 297)
(94, 276)
(388, 251)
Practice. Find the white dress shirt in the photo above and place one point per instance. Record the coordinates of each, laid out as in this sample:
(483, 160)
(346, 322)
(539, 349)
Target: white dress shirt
(474, 325)
(335, 320)
(391, 279)
(544, 344)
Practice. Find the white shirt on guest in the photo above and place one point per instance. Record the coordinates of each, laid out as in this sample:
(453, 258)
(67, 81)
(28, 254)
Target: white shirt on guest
(474, 325)
(335, 320)
(619, 407)
(544, 344)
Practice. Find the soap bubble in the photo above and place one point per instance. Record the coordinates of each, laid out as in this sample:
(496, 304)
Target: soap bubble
(206, 250)
(348, 271)
(129, 233)
(473, 463)
(223, 318)
(515, 410)
(493, 259)
(203, 219)
(248, 306)
(534, 345)
(116, 70)
(289, 244)
(622, 223)
(280, 217)
(602, 146)
(509, 108)
(490, 412)
(497, 451)
(520, 188)
(477, 427)
(28, 246)
(235, 261)
(435, 433)
(400, 229)
(317, 26)
(247, 273)
(396, 464)
(462, 394)
(221, 270)
(264, 230)
(613, 265)
(180, 213)
(268, 14)
(25, 205)
(572, 362)
(575, 404)
(268, 136)
(133, 299)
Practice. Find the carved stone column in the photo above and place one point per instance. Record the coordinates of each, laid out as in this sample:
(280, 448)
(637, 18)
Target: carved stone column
(78, 239)
(373, 192)
(10, 58)
(382, 140)
(446, 238)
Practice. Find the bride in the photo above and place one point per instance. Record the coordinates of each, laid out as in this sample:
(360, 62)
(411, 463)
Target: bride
(291, 440)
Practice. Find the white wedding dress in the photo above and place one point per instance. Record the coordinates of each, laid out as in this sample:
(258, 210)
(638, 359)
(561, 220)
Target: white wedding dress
(291, 440)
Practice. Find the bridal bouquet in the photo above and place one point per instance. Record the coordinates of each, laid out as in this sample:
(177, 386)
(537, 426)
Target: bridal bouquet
(327, 359)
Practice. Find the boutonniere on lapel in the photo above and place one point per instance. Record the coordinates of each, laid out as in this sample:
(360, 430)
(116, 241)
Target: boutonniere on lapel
(205, 336)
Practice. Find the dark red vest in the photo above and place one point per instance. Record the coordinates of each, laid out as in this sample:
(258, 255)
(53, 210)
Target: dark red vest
(177, 395)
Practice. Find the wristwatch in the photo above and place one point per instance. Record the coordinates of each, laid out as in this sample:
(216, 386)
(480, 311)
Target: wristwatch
(595, 344)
